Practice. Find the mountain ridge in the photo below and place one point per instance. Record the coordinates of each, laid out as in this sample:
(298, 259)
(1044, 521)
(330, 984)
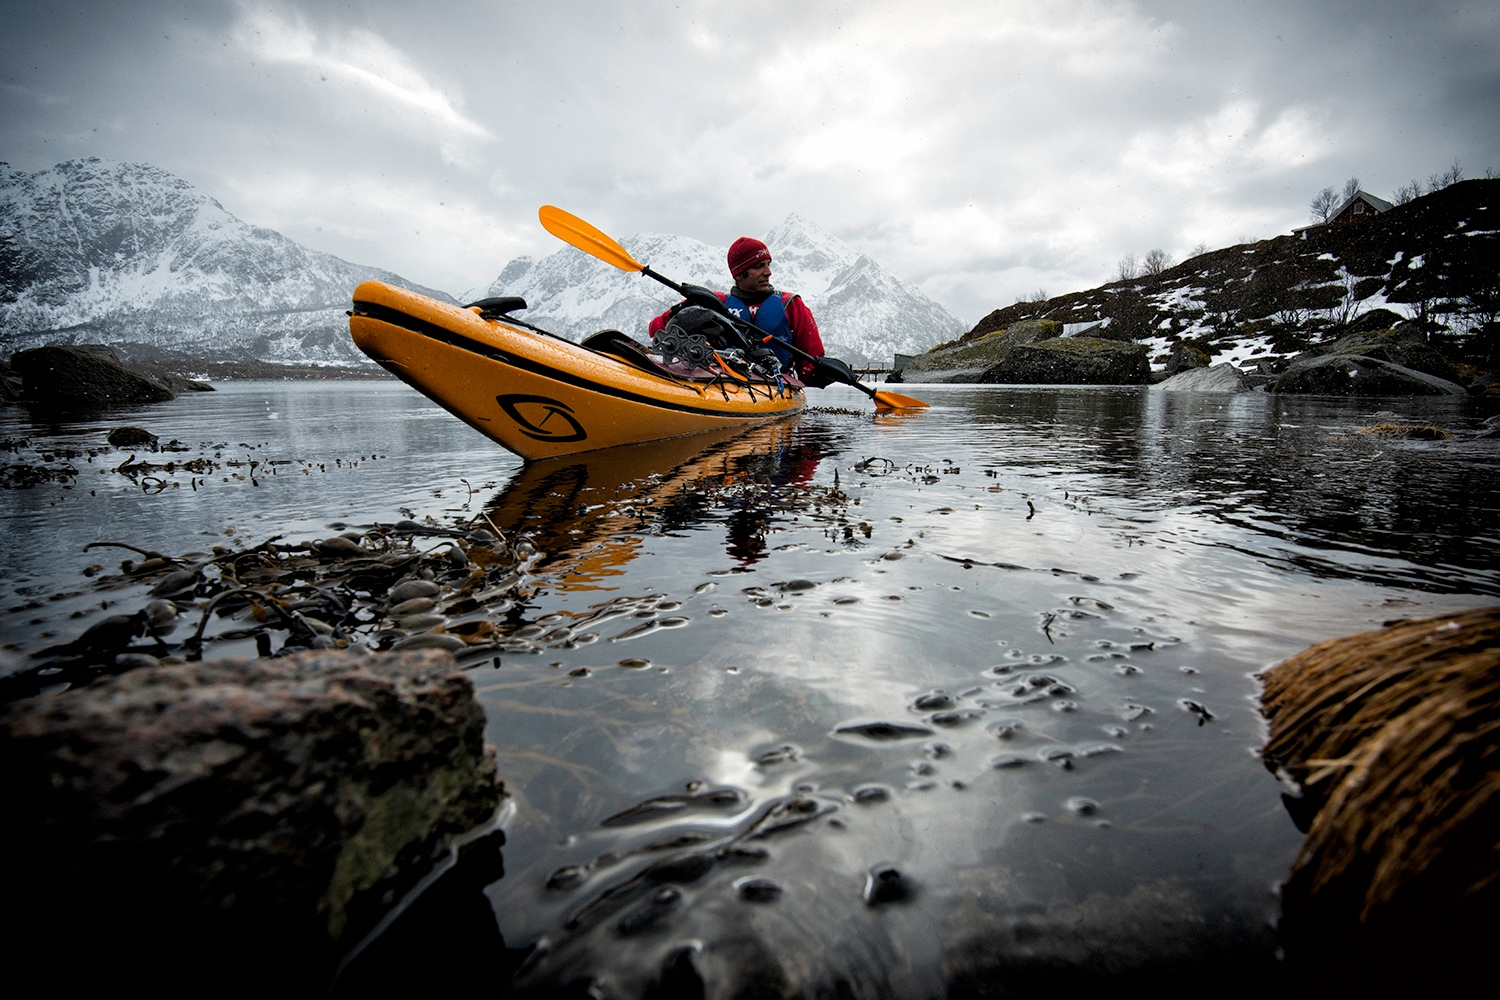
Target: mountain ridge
(128, 254)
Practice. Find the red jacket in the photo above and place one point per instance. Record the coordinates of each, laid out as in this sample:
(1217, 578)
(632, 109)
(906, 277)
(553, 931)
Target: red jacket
(805, 334)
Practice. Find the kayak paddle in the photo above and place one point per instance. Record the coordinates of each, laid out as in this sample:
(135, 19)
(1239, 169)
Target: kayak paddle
(572, 230)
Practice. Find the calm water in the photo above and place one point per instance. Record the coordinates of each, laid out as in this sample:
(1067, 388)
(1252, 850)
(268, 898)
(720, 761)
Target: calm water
(914, 702)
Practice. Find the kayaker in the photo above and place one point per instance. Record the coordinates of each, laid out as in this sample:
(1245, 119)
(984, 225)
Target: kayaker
(783, 315)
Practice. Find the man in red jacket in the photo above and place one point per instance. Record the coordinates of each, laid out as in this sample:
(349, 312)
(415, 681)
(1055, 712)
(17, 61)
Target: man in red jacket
(781, 315)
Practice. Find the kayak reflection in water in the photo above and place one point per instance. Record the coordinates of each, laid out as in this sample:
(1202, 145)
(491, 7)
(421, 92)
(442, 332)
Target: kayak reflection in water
(750, 515)
(589, 515)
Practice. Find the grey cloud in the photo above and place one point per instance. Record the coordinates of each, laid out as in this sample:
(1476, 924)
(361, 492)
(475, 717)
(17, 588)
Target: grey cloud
(978, 163)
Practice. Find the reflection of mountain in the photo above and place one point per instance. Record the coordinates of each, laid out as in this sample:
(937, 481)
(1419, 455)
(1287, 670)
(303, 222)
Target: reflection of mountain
(588, 515)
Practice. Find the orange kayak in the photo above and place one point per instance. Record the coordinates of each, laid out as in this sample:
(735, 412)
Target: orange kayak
(542, 396)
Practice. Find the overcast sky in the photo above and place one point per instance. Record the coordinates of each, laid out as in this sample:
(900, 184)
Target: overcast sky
(978, 150)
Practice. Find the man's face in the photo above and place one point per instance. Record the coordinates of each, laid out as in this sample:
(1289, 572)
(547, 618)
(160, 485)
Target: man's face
(756, 279)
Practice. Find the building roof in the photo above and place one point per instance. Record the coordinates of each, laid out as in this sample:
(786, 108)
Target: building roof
(1378, 204)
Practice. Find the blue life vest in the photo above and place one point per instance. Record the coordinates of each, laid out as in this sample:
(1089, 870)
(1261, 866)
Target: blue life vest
(771, 318)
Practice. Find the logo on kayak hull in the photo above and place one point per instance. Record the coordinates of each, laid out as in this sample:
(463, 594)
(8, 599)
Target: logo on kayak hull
(542, 418)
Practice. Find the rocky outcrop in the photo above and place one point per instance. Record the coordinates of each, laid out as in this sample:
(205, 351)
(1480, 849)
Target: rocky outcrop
(83, 377)
(89, 376)
(1402, 345)
(1072, 361)
(1223, 377)
(1358, 375)
(967, 362)
(233, 827)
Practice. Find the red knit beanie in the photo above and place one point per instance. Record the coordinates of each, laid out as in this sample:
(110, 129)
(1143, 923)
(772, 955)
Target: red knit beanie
(746, 253)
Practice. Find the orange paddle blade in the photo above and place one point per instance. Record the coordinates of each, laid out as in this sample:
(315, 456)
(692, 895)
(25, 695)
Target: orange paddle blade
(895, 401)
(571, 229)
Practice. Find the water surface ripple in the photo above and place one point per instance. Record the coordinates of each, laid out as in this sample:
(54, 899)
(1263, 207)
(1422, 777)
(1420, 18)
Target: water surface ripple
(903, 704)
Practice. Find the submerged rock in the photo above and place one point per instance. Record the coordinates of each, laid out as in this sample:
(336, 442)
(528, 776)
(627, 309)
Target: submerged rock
(132, 437)
(233, 827)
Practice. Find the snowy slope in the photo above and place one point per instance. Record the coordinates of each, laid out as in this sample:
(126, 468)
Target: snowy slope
(125, 253)
(865, 313)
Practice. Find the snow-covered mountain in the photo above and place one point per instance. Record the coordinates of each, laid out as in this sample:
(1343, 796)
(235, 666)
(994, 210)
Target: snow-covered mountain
(127, 254)
(865, 313)
(98, 251)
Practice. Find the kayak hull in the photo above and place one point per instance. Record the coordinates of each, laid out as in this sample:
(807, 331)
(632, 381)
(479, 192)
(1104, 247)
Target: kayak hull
(541, 396)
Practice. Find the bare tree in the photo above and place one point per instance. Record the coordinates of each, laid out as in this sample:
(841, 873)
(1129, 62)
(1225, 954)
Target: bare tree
(1129, 268)
(1040, 295)
(1323, 204)
(1198, 250)
(1343, 311)
(1408, 193)
(1351, 188)
(1452, 175)
(1155, 263)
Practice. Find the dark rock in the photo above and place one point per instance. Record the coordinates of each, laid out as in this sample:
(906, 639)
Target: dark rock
(181, 384)
(1359, 375)
(1375, 319)
(234, 827)
(132, 437)
(1403, 345)
(969, 361)
(10, 385)
(1186, 357)
(83, 378)
(1073, 361)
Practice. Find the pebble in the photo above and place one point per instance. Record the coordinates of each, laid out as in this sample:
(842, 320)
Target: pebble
(339, 545)
(757, 889)
(415, 606)
(885, 884)
(430, 640)
(409, 589)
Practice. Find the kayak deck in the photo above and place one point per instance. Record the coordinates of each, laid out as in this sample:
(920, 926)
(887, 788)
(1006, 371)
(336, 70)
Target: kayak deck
(541, 396)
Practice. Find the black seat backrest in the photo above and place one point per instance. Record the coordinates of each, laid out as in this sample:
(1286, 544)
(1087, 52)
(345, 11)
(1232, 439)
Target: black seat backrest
(497, 306)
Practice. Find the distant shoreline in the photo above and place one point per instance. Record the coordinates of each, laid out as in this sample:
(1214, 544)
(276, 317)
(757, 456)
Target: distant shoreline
(265, 371)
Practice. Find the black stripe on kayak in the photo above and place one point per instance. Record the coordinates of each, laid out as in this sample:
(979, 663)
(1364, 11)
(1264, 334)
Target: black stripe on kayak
(405, 321)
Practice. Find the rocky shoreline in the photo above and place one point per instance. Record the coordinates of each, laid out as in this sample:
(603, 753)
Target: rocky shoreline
(235, 826)
(74, 377)
(1391, 361)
